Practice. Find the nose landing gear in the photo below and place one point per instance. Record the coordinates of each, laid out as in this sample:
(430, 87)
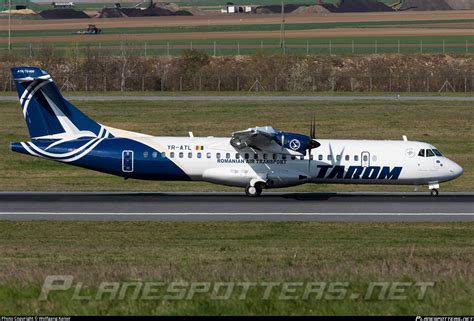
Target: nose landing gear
(433, 189)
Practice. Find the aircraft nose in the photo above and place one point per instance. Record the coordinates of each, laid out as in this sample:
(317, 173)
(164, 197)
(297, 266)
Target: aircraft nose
(455, 170)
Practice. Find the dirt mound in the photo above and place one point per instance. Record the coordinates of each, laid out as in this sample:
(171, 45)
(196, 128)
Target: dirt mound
(423, 5)
(20, 11)
(111, 13)
(358, 6)
(153, 11)
(276, 8)
(310, 9)
(173, 7)
(63, 14)
(461, 4)
(161, 9)
(182, 13)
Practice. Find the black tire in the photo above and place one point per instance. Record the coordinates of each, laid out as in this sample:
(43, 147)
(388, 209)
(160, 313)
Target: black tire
(434, 192)
(253, 191)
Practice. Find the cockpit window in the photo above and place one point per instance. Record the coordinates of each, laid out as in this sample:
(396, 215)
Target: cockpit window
(429, 153)
(421, 153)
(437, 152)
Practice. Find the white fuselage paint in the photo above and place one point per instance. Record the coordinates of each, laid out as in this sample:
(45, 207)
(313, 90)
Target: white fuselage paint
(219, 162)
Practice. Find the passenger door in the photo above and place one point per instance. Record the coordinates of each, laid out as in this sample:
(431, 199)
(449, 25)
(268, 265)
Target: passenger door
(127, 161)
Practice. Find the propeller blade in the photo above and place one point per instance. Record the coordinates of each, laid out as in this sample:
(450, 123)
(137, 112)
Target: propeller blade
(313, 143)
(309, 159)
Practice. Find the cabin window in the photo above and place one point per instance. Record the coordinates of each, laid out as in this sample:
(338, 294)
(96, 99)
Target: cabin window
(218, 155)
(227, 155)
(302, 157)
(293, 157)
(338, 158)
(421, 153)
(374, 158)
(246, 156)
(198, 155)
(329, 157)
(348, 157)
(365, 158)
(311, 157)
(356, 158)
(154, 154)
(181, 155)
(275, 156)
(283, 157)
(429, 153)
(437, 152)
(145, 154)
(190, 155)
(237, 156)
(172, 155)
(163, 154)
(320, 157)
(265, 156)
(255, 156)
(208, 155)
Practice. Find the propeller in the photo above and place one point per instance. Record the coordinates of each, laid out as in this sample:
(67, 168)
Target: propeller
(312, 142)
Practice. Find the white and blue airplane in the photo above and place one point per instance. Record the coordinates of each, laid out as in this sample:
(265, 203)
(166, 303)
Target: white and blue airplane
(256, 158)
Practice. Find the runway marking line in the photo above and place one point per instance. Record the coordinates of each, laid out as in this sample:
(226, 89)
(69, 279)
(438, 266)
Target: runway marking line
(235, 214)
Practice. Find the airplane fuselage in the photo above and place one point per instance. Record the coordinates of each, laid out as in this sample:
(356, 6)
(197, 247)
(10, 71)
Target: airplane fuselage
(214, 159)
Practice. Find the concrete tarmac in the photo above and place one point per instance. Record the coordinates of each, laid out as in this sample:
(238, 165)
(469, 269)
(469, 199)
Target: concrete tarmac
(238, 207)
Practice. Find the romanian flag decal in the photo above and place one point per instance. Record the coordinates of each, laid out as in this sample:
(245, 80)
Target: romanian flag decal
(199, 147)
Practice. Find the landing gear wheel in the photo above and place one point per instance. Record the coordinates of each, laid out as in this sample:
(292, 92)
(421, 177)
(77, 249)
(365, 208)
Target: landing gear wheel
(434, 192)
(253, 191)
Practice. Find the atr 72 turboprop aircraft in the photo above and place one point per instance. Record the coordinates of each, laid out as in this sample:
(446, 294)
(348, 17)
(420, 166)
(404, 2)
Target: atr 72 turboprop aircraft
(255, 158)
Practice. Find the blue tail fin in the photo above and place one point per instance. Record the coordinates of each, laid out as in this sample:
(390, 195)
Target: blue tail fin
(48, 115)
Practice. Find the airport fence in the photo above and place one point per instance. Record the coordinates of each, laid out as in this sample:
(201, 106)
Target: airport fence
(341, 83)
(458, 45)
(197, 71)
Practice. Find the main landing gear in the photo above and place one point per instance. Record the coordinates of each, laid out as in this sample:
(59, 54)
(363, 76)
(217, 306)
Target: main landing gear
(253, 191)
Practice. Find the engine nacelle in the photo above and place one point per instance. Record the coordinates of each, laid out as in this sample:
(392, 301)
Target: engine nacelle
(295, 142)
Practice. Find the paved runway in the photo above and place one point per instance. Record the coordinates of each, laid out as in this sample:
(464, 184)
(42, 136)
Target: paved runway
(238, 207)
(258, 98)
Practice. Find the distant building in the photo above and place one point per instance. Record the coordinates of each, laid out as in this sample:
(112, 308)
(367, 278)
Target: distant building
(232, 8)
(63, 4)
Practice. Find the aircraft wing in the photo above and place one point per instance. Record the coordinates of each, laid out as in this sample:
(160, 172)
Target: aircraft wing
(258, 138)
(267, 139)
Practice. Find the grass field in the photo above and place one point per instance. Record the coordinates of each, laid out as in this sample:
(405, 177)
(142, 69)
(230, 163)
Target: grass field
(357, 253)
(240, 28)
(387, 40)
(337, 45)
(447, 125)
